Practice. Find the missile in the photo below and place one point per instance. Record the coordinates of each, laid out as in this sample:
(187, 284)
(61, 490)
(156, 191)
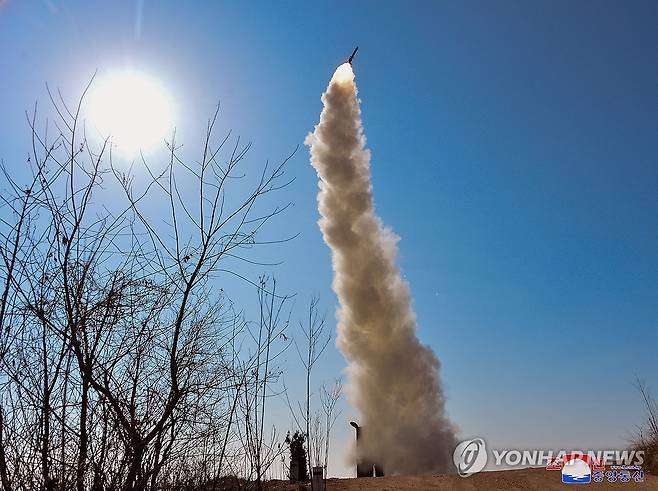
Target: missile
(349, 60)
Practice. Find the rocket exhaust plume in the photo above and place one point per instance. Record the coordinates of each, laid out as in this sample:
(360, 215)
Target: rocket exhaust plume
(393, 380)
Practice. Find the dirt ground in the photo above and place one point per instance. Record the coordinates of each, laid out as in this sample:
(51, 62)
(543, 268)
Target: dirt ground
(539, 479)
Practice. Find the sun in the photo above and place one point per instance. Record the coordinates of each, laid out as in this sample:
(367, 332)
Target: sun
(132, 109)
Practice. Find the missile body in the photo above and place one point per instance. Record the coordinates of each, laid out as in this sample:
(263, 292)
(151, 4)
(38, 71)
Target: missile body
(349, 60)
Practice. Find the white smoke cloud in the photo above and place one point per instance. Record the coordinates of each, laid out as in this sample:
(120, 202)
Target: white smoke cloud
(393, 380)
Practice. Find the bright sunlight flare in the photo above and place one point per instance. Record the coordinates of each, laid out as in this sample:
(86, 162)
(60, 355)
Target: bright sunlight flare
(131, 108)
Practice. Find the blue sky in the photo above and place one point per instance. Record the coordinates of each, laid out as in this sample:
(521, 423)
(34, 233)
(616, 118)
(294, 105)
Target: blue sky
(515, 151)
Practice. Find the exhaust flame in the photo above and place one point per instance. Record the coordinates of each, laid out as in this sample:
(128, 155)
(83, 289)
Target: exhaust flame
(393, 379)
(343, 74)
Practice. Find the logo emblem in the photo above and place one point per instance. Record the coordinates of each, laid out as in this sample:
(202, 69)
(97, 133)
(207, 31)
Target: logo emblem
(470, 457)
(576, 470)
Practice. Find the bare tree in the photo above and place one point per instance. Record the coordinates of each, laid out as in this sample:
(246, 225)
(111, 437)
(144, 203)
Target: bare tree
(119, 355)
(322, 422)
(315, 342)
(317, 439)
(271, 328)
(329, 398)
(646, 438)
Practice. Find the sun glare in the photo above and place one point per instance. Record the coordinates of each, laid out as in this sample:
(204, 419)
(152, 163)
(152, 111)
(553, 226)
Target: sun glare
(131, 108)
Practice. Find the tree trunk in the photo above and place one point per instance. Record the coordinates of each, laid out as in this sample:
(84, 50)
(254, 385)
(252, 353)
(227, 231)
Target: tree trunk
(4, 474)
(82, 454)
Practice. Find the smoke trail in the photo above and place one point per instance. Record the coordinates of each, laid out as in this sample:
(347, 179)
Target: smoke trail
(393, 379)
